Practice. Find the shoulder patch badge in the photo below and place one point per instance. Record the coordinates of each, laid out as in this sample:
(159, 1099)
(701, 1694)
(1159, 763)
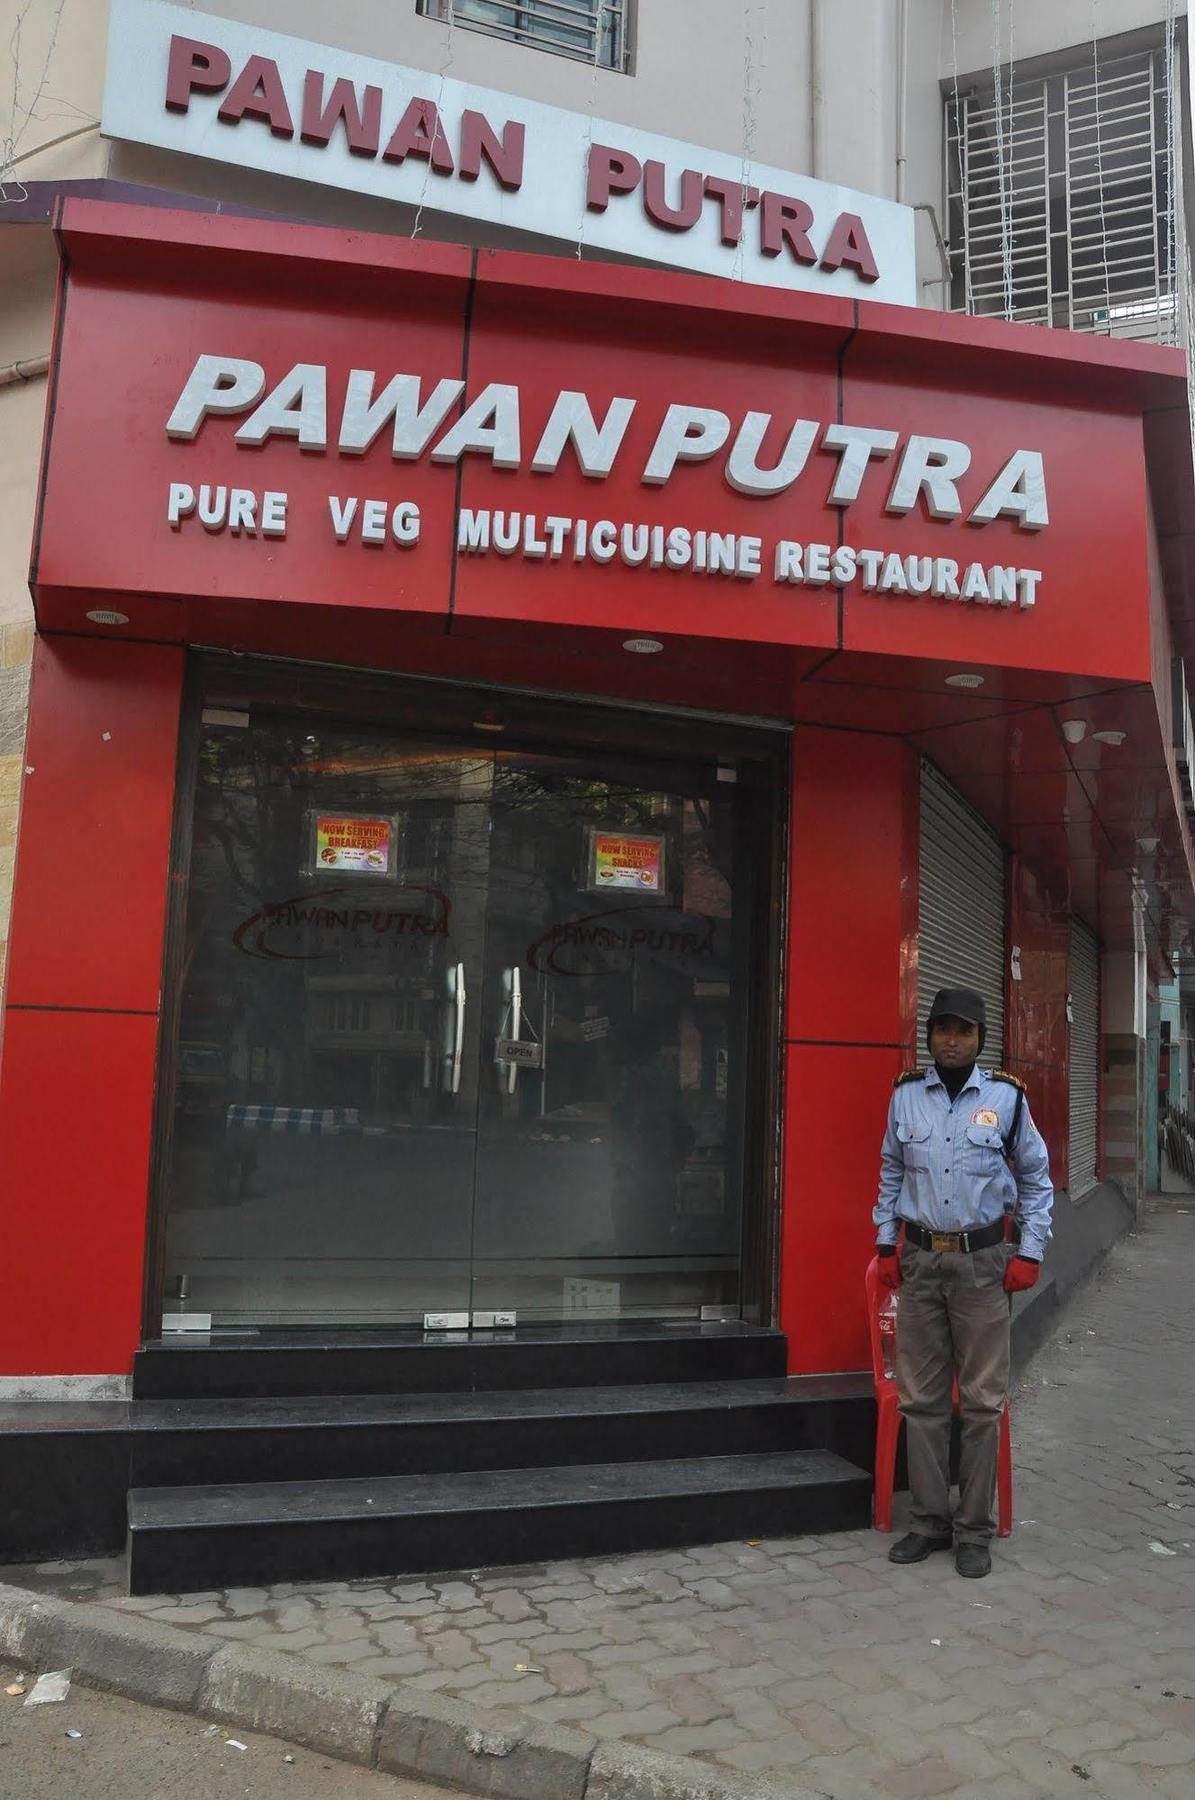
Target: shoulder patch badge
(1003, 1075)
(909, 1075)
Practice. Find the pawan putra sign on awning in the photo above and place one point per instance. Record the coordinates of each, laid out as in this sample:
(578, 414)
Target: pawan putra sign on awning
(415, 417)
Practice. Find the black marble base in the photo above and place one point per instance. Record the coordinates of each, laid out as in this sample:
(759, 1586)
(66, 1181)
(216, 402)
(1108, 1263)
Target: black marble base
(188, 1443)
(65, 1469)
(200, 1537)
(421, 1363)
(64, 1477)
(235, 1477)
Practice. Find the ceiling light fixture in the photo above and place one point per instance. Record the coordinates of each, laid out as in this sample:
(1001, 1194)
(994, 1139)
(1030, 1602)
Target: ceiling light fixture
(642, 646)
(1074, 730)
(965, 681)
(104, 615)
(1109, 737)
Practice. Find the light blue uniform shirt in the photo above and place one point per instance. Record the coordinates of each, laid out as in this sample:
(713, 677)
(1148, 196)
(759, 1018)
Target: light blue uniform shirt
(942, 1165)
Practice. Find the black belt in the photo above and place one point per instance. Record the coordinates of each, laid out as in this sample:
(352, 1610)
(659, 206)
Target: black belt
(980, 1237)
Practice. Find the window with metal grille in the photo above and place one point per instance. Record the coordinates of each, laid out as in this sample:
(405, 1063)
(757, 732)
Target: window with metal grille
(590, 31)
(1060, 197)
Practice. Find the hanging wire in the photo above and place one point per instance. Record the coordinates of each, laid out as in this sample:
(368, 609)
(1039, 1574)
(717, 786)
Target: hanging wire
(1012, 156)
(750, 95)
(962, 137)
(1099, 160)
(445, 65)
(1173, 162)
(1001, 162)
(1183, 309)
(593, 94)
(22, 116)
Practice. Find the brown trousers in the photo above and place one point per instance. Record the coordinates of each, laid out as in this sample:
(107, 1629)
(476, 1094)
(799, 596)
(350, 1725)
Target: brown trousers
(953, 1318)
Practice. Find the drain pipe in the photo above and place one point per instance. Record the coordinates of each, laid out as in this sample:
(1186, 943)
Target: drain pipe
(31, 369)
(947, 275)
(902, 96)
(816, 89)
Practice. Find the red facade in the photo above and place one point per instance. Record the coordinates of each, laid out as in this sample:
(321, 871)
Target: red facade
(861, 677)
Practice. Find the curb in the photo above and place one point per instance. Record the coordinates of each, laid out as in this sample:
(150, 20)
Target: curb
(397, 1730)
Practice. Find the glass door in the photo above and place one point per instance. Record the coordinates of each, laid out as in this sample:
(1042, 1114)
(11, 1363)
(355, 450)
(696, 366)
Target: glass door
(607, 1180)
(327, 1067)
(462, 1032)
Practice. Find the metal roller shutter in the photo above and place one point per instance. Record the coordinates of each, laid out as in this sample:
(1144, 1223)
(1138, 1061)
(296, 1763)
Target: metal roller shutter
(961, 909)
(1084, 1056)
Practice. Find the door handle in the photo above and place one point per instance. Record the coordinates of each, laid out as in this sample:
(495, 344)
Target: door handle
(458, 1049)
(514, 995)
(455, 1048)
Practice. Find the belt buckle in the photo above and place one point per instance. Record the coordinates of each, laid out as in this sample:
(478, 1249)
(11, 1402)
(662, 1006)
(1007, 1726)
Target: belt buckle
(944, 1240)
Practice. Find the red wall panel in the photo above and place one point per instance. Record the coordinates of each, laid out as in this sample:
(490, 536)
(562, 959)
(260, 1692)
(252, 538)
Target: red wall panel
(75, 1109)
(1097, 507)
(608, 353)
(96, 810)
(126, 350)
(850, 1014)
(148, 292)
(834, 1120)
(853, 894)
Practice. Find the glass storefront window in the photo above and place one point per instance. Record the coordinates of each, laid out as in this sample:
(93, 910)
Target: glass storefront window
(462, 1029)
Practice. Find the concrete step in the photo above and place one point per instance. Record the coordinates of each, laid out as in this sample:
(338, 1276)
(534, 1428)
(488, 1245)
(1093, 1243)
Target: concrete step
(247, 1364)
(191, 1443)
(187, 1538)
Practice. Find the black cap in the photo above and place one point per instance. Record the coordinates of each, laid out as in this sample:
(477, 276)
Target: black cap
(959, 1003)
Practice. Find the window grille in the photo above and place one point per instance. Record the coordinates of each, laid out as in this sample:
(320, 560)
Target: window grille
(1060, 197)
(590, 31)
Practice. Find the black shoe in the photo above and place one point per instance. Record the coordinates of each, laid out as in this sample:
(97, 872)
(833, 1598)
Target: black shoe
(973, 1560)
(916, 1547)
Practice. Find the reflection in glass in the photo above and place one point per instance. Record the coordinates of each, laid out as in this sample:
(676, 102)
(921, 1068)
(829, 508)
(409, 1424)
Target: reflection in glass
(506, 1075)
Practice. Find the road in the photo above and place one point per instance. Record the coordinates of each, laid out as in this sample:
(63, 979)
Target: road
(130, 1752)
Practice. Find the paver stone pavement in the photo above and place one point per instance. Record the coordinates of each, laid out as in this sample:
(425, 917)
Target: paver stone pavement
(1070, 1671)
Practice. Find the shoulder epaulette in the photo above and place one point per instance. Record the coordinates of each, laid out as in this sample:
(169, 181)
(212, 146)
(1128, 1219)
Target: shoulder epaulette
(1003, 1075)
(909, 1075)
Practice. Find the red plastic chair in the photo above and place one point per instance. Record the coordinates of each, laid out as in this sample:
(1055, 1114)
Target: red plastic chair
(889, 1421)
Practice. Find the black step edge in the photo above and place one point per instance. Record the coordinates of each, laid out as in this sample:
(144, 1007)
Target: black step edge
(181, 1443)
(189, 1556)
(230, 1367)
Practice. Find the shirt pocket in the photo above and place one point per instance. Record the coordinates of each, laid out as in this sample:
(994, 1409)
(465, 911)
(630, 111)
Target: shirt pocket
(914, 1141)
(985, 1149)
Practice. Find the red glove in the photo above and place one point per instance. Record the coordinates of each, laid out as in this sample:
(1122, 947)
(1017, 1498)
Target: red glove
(888, 1270)
(1021, 1273)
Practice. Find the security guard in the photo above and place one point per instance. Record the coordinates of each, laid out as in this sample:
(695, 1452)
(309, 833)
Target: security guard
(961, 1156)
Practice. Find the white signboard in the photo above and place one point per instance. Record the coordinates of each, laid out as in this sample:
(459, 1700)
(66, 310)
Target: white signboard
(206, 86)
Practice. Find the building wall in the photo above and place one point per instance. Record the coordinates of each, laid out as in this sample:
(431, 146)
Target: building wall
(22, 408)
(56, 72)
